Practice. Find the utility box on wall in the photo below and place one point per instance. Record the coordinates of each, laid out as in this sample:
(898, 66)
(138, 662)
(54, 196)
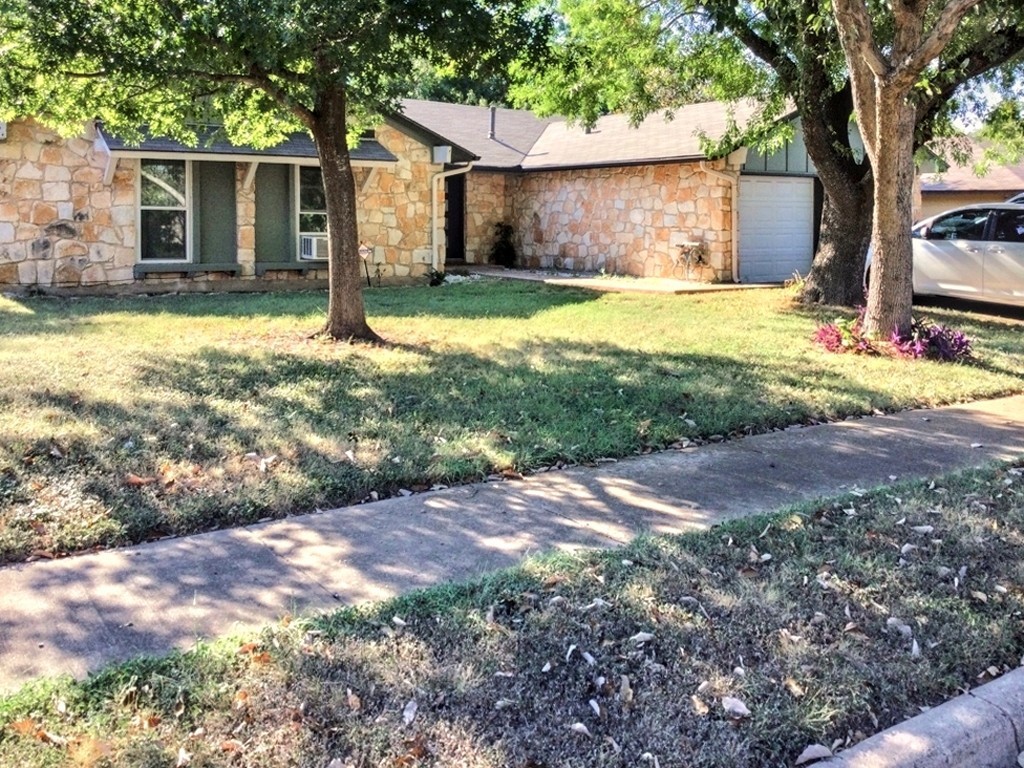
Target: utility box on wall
(3, 130)
(442, 155)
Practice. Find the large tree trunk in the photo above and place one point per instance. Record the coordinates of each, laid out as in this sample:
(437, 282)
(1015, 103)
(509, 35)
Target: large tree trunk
(883, 75)
(890, 294)
(346, 316)
(837, 272)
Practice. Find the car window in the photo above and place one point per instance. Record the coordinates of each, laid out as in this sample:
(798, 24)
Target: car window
(962, 225)
(1009, 227)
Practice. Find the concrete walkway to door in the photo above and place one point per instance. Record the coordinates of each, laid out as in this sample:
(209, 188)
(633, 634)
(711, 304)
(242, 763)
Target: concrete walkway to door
(610, 283)
(74, 615)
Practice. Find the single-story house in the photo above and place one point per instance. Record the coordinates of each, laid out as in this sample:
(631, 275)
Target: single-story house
(93, 213)
(956, 185)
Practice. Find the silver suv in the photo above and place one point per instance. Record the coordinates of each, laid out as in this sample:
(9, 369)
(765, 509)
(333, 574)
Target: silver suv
(974, 252)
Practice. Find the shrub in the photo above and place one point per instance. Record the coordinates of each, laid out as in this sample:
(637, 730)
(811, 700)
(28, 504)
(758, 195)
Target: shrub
(932, 341)
(925, 340)
(844, 335)
(503, 252)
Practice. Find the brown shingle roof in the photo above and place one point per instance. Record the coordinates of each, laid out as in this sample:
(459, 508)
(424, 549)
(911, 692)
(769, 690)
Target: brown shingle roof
(516, 130)
(962, 178)
(613, 141)
(523, 140)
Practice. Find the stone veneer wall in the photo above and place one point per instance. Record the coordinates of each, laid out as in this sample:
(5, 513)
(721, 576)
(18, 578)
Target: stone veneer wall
(394, 211)
(62, 227)
(625, 220)
(488, 203)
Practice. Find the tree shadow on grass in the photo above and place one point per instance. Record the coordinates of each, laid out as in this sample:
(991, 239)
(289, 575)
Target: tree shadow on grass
(221, 437)
(48, 315)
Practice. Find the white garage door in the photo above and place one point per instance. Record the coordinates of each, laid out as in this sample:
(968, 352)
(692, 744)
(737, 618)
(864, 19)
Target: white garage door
(776, 227)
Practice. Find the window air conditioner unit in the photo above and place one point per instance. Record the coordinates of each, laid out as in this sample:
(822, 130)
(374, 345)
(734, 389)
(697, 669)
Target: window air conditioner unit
(313, 247)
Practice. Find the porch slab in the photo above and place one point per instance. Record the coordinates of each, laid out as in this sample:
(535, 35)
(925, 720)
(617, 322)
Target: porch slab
(611, 284)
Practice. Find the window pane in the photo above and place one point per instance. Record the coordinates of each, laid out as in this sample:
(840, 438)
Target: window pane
(311, 190)
(312, 222)
(965, 225)
(1010, 227)
(163, 183)
(163, 235)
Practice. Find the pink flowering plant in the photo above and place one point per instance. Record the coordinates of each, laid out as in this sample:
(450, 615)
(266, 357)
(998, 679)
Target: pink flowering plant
(934, 342)
(844, 335)
(924, 340)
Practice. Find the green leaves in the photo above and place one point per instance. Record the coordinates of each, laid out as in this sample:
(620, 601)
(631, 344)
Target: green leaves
(259, 64)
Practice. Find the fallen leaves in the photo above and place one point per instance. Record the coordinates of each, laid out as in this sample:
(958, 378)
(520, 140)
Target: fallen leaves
(625, 691)
(581, 729)
(84, 751)
(255, 655)
(409, 712)
(735, 708)
(353, 701)
(700, 708)
(416, 750)
(232, 747)
(812, 753)
(88, 751)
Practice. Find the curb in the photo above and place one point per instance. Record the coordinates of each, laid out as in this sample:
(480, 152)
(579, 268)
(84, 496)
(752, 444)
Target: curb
(980, 729)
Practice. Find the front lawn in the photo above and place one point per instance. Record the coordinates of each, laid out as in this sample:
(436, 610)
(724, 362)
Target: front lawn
(826, 623)
(131, 419)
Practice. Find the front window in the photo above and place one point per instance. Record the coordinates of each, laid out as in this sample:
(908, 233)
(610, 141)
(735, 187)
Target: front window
(163, 210)
(312, 214)
(962, 225)
(312, 202)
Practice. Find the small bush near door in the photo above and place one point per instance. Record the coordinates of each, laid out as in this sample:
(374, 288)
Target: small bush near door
(503, 252)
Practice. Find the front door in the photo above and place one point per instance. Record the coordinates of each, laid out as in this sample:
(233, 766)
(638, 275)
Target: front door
(455, 218)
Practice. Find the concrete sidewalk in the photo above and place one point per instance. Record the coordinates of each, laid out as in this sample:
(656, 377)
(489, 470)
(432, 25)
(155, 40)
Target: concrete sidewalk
(73, 615)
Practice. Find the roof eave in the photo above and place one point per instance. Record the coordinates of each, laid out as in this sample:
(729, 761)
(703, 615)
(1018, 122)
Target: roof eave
(615, 163)
(237, 157)
(429, 138)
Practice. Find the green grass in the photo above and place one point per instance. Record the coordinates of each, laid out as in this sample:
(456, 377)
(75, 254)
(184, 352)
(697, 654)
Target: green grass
(131, 419)
(809, 640)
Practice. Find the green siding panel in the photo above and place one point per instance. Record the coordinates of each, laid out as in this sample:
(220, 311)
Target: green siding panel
(275, 239)
(213, 190)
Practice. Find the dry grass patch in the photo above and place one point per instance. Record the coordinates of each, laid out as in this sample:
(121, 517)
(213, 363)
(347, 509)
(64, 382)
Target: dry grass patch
(827, 623)
(128, 420)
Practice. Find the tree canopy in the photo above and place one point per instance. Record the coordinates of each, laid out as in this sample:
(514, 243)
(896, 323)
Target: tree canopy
(262, 68)
(639, 57)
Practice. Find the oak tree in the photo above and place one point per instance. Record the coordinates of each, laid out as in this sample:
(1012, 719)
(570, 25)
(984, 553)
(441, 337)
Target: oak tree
(640, 56)
(266, 67)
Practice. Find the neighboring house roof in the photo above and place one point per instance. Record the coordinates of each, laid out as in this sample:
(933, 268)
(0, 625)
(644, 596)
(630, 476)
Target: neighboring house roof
(962, 178)
(298, 145)
(614, 141)
(515, 130)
